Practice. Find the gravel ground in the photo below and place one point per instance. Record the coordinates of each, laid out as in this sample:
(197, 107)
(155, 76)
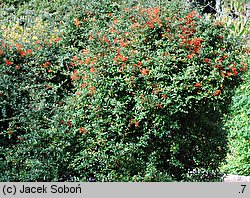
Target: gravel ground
(236, 178)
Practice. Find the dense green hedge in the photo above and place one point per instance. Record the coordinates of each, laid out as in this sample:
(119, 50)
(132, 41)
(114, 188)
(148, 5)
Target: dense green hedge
(126, 92)
(238, 127)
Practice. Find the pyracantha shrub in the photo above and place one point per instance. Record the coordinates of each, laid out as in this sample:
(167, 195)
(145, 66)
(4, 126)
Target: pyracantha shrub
(32, 83)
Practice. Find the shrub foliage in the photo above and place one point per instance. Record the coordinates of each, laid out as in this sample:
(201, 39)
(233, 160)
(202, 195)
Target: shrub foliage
(237, 123)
